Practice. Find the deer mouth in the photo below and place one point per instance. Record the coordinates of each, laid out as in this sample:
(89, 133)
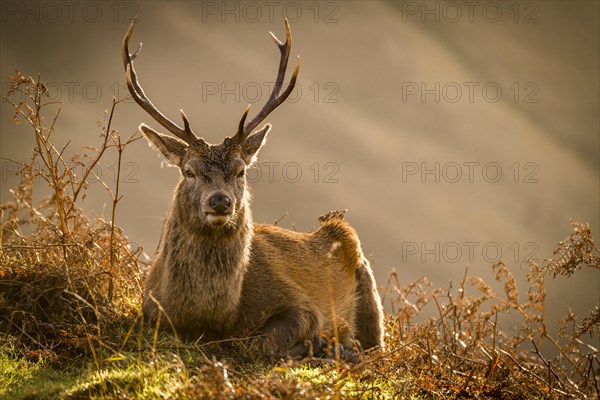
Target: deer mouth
(218, 219)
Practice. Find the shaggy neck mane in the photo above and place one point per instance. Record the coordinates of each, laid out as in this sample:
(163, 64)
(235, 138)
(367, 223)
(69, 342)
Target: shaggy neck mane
(212, 249)
(207, 264)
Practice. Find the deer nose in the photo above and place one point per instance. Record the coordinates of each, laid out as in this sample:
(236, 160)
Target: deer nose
(220, 203)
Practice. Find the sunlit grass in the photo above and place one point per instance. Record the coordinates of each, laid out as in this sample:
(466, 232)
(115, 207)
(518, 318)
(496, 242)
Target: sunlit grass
(24, 379)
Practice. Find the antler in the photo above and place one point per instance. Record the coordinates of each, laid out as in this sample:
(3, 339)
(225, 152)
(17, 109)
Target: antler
(140, 97)
(275, 99)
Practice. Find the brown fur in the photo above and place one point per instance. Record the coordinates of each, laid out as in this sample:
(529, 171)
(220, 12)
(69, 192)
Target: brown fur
(240, 278)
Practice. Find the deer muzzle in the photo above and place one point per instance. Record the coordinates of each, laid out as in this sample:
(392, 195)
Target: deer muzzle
(220, 208)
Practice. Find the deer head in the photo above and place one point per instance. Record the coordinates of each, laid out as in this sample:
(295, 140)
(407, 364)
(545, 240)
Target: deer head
(213, 183)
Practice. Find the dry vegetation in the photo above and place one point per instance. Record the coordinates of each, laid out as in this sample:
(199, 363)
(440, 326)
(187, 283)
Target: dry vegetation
(70, 323)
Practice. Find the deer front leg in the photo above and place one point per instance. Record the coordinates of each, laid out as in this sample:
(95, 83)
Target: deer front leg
(150, 309)
(293, 332)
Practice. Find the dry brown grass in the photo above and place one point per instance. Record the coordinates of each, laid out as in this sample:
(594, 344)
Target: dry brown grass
(63, 278)
(470, 353)
(70, 291)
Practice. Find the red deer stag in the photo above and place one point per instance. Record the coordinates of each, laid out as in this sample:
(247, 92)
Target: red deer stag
(218, 274)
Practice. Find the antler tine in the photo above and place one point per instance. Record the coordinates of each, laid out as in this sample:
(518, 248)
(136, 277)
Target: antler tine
(274, 99)
(140, 97)
(243, 120)
(284, 48)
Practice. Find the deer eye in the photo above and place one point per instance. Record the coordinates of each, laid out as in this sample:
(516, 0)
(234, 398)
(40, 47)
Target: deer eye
(241, 174)
(188, 173)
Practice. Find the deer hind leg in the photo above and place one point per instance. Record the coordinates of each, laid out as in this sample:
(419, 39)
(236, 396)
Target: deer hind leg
(283, 329)
(368, 322)
(293, 332)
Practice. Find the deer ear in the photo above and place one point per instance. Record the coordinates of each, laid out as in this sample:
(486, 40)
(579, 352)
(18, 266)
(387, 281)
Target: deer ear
(253, 143)
(170, 147)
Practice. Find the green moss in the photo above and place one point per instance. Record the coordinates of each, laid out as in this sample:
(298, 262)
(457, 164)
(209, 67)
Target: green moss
(131, 382)
(348, 385)
(23, 379)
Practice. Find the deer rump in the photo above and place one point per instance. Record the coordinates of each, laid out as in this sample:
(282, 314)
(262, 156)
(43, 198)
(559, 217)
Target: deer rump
(307, 287)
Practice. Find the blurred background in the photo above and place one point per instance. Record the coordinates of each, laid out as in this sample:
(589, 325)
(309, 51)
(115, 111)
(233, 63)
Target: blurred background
(456, 133)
